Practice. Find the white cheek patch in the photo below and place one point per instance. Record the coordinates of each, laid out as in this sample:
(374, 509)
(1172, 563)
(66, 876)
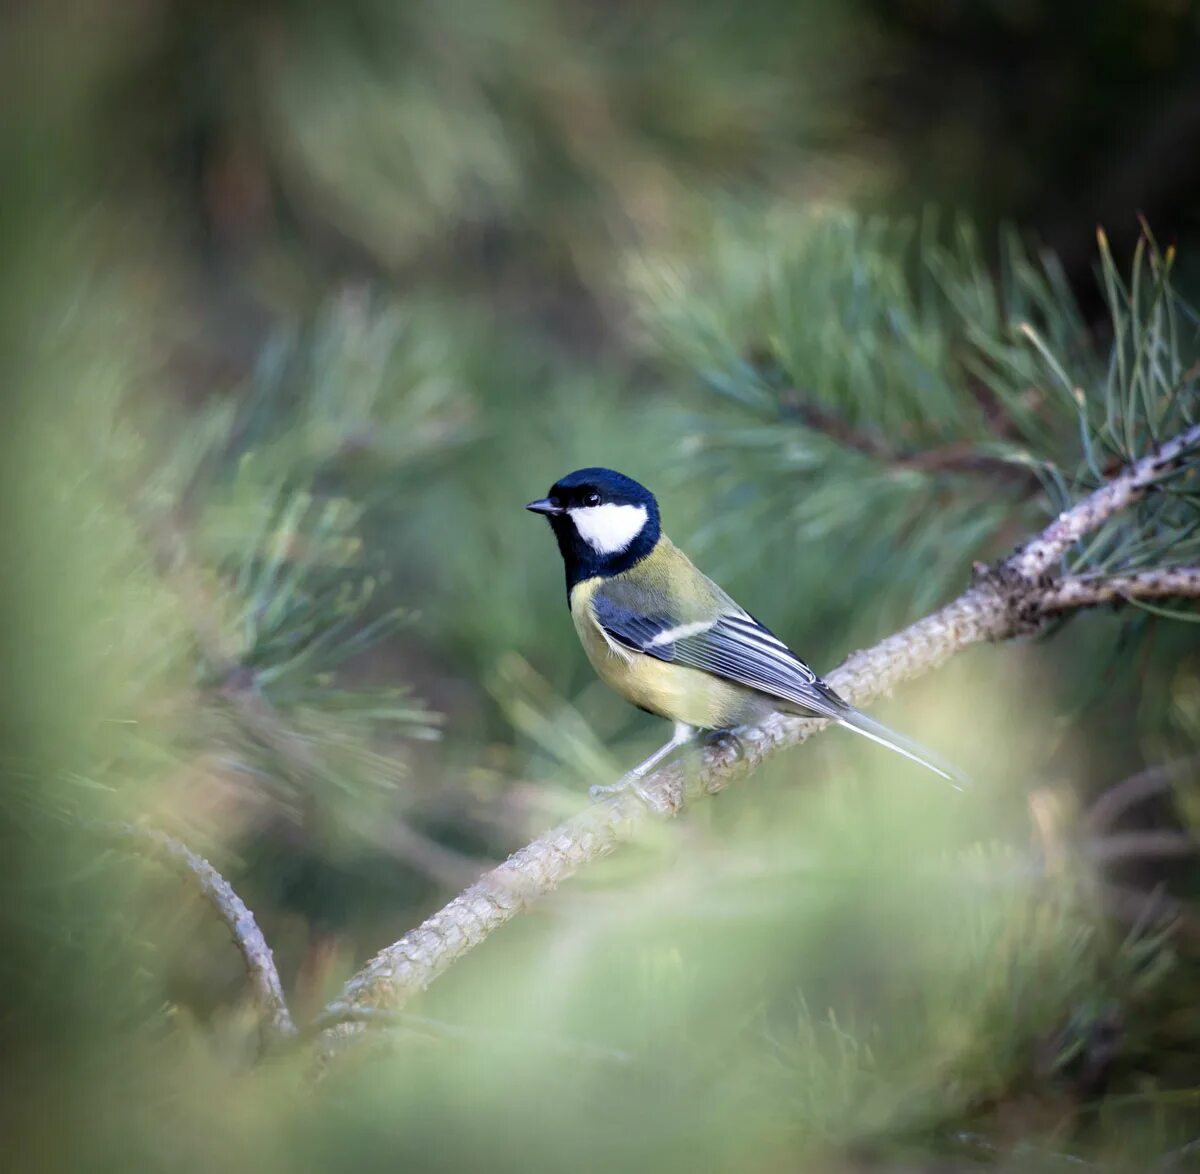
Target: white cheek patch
(609, 528)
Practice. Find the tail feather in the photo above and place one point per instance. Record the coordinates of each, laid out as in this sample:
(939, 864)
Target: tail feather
(868, 727)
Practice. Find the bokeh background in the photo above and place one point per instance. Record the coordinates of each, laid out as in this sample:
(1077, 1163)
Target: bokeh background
(300, 303)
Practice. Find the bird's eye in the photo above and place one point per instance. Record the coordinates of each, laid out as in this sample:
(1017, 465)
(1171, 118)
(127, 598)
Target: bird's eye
(592, 499)
(555, 501)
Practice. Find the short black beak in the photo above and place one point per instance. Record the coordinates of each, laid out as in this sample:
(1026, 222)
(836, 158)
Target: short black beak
(545, 506)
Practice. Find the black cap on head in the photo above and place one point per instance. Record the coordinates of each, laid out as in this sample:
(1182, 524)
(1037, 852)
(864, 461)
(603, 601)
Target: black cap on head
(604, 521)
(592, 487)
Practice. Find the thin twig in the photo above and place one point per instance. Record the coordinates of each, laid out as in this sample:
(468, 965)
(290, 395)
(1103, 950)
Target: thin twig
(1042, 555)
(260, 963)
(1003, 602)
(1148, 845)
(958, 456)
(1092, 591)
(1154, 780)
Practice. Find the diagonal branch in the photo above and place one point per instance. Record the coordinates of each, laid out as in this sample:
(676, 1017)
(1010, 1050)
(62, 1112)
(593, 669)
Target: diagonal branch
(260, 963)
(403, 969)
(1041, 556)
(1005, 601)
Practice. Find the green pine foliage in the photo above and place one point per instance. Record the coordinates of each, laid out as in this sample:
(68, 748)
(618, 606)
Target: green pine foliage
(843, 347)
(932, 967)
(271, 589)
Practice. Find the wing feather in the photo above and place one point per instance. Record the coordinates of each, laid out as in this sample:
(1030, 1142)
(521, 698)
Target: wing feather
(734, 646)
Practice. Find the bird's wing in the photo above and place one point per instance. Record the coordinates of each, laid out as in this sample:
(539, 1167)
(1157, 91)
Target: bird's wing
(710, 632)
(732, 645)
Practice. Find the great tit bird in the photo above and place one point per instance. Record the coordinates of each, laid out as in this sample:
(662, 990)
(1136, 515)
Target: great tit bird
(667, 638)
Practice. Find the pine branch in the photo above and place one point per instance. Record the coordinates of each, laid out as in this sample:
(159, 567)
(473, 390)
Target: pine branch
(959, 456)
(405, 968)
(1005, 601)
(258, 718)
(1040, 556)
(1092, 591)
(260, 962)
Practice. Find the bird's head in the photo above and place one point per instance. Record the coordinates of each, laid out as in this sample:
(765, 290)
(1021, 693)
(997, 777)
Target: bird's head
(604, 521)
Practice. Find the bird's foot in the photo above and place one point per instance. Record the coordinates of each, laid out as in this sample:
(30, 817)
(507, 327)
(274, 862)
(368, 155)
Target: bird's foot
(726, 740)
(632, 782)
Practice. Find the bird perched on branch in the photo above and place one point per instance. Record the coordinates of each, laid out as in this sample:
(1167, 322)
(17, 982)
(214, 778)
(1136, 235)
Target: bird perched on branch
(667, 638)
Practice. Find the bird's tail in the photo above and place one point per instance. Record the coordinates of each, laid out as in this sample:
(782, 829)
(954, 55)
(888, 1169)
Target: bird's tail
(854, 720)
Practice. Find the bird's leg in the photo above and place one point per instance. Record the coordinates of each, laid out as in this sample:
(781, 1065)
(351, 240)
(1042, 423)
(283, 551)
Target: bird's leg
(633, 779)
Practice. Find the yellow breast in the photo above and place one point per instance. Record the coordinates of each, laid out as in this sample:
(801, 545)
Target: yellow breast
(673, 691)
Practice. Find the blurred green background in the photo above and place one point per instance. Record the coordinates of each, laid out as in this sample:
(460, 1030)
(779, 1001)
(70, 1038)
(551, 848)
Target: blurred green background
(300, 303)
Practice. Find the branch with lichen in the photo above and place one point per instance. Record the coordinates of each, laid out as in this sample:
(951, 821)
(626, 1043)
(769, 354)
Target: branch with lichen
(1013, 598)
